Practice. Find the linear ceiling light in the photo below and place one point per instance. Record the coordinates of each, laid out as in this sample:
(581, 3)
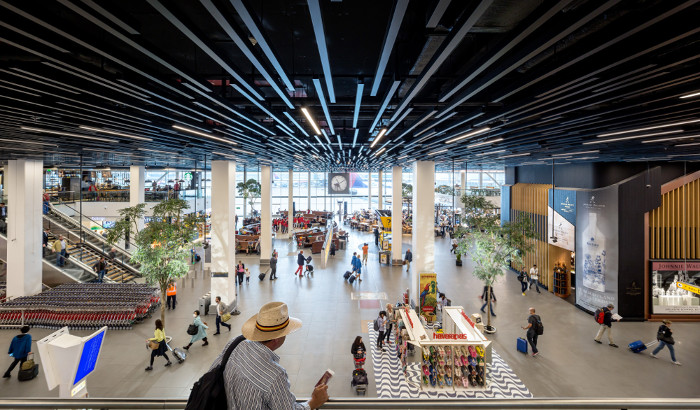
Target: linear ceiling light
(115, 133)
(69, 134)
(340, 144)
(379, 152)
(632, 137)
(296, 123)
(317, 21)
(570, 154)
(387, 98)
(610, 134)
(691, 95)
(437, 152)
(358, 102)
(242, 151)
(322, 98)
(671, 138)
(419, 122)
(491, 152)
(469, 134)
(311, 120)
(515, 155)
(479, 144)
(398, 120)
(323, 131)
(396, 19)
(204, 134)
(354, 139)
(379, 136)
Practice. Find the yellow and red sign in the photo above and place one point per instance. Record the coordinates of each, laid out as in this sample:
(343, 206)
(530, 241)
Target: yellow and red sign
(688, 287)
(428, 292)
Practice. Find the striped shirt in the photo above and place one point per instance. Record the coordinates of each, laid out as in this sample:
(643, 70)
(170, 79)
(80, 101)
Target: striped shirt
(254, 379)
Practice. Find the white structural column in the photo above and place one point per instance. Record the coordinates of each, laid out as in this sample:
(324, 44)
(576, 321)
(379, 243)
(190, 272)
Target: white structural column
(423, 239)
(380, 192)
(463, 186)
(396, 215)
(223, 231)
(265, 213)
(290, 208)
(308, 186)
(24, 185)
(137, 188)
(369, 190)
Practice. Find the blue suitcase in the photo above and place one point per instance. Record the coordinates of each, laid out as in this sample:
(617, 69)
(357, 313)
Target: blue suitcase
(352, 278)
(639, 346)
(522, 345)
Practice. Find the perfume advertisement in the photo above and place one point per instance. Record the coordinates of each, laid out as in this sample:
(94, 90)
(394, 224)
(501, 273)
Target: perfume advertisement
(561, 217)
(675, 286)
(597, 247)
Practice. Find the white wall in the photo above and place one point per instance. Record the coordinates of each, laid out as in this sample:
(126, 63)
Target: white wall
(110, 210)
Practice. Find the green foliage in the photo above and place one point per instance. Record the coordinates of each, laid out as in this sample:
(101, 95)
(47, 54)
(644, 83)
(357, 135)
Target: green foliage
(406, 190)
(162, 246)
(250, 190)
(445, 190)
(492, 246)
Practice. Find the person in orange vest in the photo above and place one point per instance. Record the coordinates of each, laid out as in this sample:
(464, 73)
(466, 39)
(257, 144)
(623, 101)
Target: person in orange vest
(171, 292)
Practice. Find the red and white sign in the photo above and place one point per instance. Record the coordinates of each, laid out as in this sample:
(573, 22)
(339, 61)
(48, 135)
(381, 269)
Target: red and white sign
(449, 336)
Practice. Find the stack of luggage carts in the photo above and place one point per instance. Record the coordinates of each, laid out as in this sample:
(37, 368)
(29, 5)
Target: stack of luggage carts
(359, 375)
(83, 306)
(3, 291)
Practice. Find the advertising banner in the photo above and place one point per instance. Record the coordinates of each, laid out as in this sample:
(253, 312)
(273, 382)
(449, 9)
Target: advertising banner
(428, 293)
(672, 287)
(505, 203)
(597, 247)
(561, 217)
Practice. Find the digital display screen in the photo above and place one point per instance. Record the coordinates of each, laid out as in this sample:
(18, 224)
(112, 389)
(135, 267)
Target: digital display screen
(108, 224)
(88, 358)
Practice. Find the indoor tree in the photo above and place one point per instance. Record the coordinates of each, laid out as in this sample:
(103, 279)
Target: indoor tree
(406, 190)
(250, 190)
(490, 244)
(163, 245)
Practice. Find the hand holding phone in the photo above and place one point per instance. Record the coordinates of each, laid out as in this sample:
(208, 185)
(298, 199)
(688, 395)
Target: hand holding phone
(325, 378)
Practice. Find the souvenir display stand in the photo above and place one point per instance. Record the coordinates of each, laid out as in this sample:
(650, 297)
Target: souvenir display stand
(454, 359)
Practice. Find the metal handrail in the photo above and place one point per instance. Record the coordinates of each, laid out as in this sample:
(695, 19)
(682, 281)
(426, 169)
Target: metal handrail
(370, 403)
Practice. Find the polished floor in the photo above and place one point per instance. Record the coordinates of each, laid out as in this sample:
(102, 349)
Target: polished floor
(570, 364)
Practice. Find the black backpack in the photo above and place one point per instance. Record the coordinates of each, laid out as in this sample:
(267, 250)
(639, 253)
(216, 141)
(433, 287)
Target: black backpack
(539, 329)
(209, 392)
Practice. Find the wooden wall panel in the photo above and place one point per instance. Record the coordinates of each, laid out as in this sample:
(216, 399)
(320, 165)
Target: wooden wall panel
(675, 225)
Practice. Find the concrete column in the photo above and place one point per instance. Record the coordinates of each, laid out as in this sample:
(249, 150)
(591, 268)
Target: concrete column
(223, 232)
(137, 188)
(423, 239)
(463, 186)
(308, 185)
(369, 190)
(24, 185)
(481, 179)
(396, 215)
(380, 193)
(290, 208)
(265, 213)
(245, 201)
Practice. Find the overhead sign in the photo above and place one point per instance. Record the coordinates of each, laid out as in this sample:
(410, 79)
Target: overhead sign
(187, 176)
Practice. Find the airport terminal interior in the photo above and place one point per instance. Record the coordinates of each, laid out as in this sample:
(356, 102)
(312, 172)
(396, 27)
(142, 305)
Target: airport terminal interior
(355, 160)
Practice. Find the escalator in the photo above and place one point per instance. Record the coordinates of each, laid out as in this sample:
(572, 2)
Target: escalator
(87, 247)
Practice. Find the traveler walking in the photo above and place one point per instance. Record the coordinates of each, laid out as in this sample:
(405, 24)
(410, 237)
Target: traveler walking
(534, 277)
(201, 331)
(484, 297)
(44, 242)
(390, 321)
(356, 266)
(247, 276)
(20, 347)
(408, 259)
(300, 264)
(381, 324)
(606, 325)
(273, 266)
(220, 311)
(357, 346)
(253, 377)
(171, 293)
(100, 267)
(665, 337)
(59, 246)
(240, 271)
(522, 277)
(365, 253)
(161, 350)
(112, 253)
(376, 236)
(533, 324)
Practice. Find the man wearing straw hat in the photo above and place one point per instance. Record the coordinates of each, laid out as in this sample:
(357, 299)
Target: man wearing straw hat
(253, 377)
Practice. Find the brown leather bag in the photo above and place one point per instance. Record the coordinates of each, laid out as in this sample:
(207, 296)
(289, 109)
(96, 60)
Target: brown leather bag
(153, 345)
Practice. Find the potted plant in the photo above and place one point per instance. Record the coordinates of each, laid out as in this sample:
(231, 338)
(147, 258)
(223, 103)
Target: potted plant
(163, 246)
(491, 245)
(250, 190)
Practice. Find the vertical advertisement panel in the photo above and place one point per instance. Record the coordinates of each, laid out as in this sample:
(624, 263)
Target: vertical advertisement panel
(561, 218)
(675, 287)
(505, 203)
(428, 293)
(597, 247)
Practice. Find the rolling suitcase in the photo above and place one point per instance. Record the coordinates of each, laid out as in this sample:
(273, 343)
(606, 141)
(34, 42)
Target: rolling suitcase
(28, 370)
(522, 345)
(347, 274)
(639, 346)
(261, 276)
(352, 278)
(179, 353)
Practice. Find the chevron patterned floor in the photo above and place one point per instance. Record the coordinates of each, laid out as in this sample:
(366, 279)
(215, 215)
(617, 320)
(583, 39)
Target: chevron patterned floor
(392, 384)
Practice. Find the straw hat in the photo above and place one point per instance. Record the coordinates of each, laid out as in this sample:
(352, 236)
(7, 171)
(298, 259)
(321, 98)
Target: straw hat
(271, 322)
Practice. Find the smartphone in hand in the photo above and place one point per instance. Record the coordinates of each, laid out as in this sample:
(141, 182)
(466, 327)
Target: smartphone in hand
(325, 378)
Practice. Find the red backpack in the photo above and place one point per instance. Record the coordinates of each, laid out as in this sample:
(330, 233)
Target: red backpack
(599, 316)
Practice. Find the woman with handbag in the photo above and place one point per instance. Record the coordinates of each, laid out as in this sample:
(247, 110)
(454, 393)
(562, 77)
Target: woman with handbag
(198, 331)
(665, 337)
(157, 345)
(240, 271)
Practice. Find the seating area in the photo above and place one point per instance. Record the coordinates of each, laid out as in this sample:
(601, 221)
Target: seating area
(83, 306)
(248, 244)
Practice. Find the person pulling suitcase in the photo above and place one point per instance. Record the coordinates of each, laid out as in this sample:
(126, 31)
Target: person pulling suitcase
(20, 347)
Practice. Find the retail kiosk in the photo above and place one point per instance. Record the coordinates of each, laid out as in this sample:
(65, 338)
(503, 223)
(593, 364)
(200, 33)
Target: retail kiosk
(68, 360)
(452, 359)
